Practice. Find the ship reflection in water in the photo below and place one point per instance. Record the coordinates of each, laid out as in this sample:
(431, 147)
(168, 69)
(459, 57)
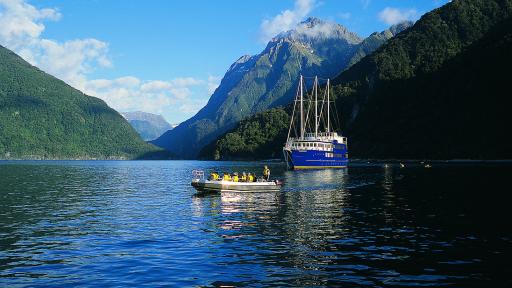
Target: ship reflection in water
(133, 223)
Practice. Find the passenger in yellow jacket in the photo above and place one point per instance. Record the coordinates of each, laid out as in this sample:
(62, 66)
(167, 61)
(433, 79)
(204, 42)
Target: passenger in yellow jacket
(266, 173)
(244, 177)
(226, 177)
(235, 177)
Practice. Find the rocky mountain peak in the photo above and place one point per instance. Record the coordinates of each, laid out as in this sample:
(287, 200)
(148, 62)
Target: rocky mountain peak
(313, 29)
(399, 27)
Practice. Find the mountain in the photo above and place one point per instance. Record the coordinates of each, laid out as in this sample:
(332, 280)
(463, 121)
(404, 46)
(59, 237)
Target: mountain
(41, 117)
(256, 83)
(255, 137)
(377, 39)
(149, 126)
(435, 91)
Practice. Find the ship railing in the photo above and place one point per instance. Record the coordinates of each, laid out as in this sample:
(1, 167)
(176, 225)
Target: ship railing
(198, 174)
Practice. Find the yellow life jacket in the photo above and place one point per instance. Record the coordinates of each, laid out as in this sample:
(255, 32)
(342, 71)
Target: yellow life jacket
(235, 178)
(266, 172)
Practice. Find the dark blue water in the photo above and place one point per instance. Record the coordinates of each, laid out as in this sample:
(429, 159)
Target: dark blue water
(140, 223)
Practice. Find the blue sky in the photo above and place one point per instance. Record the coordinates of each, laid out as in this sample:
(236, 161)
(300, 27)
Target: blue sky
(166, 57)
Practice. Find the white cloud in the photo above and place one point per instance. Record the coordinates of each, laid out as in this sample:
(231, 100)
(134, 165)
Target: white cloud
(344, 15)
(321, 30)
(286, 20)
(20, 22)
(155, 86)
(192, 106)
(366, 3)
(180, 92)
(393, 16)
(156, 96)
(129, 81)
(186, 81)
(21, 28)
(213, 83)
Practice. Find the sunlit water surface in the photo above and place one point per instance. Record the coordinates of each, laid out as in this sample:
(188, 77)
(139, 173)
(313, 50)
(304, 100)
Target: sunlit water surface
(115, 223)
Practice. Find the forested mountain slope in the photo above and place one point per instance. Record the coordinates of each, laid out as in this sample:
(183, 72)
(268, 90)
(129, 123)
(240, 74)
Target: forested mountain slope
(41, 117)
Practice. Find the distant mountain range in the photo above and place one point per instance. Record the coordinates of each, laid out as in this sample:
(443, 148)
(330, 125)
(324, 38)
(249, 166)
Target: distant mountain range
(149, 126)
(256, 83)
(41, 117)
(436, 91)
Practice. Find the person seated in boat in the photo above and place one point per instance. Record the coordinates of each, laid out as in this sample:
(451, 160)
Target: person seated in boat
(235, 177)
(244, 177)
(226, 177)
(266, 173)
(214, 176)
(250, 178)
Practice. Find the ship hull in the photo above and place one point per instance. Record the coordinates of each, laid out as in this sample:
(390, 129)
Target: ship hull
(312, 159)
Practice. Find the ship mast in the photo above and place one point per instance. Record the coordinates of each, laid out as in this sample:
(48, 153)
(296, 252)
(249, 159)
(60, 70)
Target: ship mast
(316, 106)
(301, 110)
(328, 109)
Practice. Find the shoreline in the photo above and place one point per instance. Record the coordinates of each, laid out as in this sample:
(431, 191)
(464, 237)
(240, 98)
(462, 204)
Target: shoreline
(354, 161)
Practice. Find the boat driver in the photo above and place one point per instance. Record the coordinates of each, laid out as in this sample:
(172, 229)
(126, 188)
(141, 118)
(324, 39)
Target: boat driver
(266, 173)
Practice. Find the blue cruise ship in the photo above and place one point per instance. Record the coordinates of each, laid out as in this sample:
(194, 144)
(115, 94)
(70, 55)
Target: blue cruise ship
(314, 146)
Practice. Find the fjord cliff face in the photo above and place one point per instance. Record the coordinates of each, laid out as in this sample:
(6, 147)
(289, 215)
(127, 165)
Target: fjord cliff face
(41, 117)
(436, 90)
(256, 83)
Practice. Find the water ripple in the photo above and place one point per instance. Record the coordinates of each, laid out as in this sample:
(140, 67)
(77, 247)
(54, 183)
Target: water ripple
(122, 223)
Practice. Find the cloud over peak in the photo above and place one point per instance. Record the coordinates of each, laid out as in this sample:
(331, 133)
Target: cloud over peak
(391, 16)
(285, 20)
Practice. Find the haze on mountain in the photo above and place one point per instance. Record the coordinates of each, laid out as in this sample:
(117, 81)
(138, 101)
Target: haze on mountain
(436, 91)
(256, 83)
(149, 126)
(41, 117)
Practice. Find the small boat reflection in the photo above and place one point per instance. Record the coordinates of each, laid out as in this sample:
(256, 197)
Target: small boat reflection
(234, 202)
